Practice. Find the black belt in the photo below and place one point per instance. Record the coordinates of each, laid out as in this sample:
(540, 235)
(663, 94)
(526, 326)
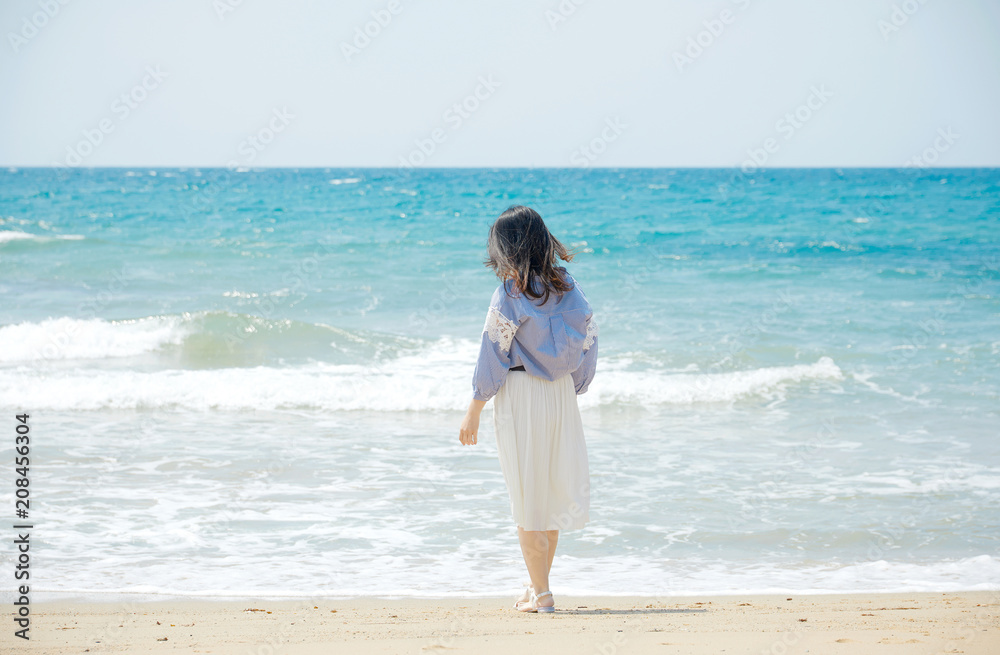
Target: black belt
(516, 368)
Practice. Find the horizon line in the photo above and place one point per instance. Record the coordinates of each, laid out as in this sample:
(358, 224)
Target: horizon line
(244, 169)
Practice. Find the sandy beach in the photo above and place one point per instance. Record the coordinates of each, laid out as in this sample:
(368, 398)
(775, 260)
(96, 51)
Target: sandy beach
(963, 622)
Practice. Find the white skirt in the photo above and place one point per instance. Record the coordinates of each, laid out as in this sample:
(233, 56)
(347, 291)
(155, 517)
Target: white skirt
(542, 452)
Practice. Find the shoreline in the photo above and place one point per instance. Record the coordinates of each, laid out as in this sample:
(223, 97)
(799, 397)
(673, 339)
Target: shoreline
(50, 597)
(967, 621)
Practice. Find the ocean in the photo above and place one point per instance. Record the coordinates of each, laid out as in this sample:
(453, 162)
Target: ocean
(250, 382)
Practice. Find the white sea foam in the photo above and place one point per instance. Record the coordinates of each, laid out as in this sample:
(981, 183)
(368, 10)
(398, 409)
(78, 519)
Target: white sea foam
(434, 375)
(68, 338)
(653, 387)
(468, 575)
(14, 235)
(435, 378)
(17, 235)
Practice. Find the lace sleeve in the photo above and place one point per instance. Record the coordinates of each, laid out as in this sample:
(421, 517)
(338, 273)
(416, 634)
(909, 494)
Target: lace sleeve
(499, 328)
(494, 351)
(592, 331)
(583, 375)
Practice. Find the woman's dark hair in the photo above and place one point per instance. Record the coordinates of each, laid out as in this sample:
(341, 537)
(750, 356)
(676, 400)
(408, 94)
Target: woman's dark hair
(520, 247)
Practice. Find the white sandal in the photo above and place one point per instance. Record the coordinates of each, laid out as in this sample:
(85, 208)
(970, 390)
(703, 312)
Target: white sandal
(531, 604)
(525, 595)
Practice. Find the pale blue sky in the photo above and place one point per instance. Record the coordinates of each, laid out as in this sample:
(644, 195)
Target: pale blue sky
(606, 79)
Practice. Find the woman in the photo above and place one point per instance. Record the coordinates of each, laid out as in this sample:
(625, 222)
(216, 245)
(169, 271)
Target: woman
(538, 352)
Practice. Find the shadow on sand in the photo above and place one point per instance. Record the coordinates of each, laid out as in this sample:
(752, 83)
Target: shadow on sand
(643, 610)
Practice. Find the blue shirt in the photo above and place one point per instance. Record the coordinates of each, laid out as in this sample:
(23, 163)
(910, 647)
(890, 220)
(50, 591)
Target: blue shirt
(550, 340)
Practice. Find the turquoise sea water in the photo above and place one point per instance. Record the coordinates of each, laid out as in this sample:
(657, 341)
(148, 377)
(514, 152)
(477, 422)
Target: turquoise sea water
(251, 382)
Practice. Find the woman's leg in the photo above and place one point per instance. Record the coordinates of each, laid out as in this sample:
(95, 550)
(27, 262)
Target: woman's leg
(553, 540)
(538, 548)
